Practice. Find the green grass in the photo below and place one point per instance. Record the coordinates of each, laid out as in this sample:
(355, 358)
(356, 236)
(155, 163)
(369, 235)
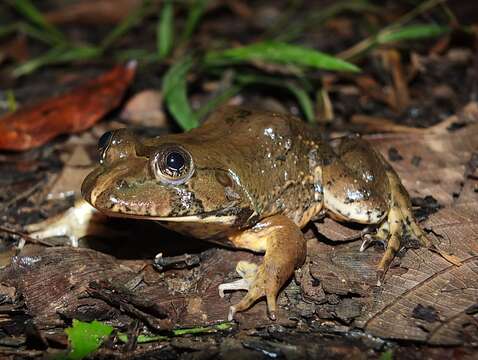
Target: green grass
(173, 38)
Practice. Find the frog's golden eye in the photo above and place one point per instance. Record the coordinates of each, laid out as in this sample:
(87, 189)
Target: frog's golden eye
(172, 164)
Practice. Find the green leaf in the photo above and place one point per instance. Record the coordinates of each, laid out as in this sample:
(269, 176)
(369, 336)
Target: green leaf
(412, 32)
(57, 55)
(279, 52)
(195, 13)
(86, 338)
(126, 25)
(165, 30)
(31, 13)
(300, 93)
(387, 355)
(175, 94)
(218, 100)
(304, 101)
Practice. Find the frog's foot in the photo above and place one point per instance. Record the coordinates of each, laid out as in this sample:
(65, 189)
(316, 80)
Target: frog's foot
(400, 225)
(74, 223)
(285, 249)
(380, 236)
(247, 271)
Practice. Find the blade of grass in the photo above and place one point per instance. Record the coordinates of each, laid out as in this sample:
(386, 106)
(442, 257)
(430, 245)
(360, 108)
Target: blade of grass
(174, 88)
(412, 32)
(57, 55)
(127, 24)
(304, 101)
(31, 13)
(12, 104)
(371, 41)
(145, 338)
(8, 29)
(280, 53)
(165, 30)
(218, 100)
(143, 56)
(195, 13)
(301, 95)
(316, 18)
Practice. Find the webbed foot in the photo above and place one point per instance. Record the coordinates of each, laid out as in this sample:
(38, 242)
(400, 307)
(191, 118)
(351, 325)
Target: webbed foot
(284, 246)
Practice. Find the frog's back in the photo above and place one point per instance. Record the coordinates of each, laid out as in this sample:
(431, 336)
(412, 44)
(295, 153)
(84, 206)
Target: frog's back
(274, 155)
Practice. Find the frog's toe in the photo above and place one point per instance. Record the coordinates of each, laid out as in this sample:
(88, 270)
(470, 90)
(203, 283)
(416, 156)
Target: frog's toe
(380, 236)
(259, 283)
(247, 271)
(369, 239)
(264, 283)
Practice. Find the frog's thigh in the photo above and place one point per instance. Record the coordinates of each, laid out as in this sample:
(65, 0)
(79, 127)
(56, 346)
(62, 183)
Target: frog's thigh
(356, 187)
(285, 249)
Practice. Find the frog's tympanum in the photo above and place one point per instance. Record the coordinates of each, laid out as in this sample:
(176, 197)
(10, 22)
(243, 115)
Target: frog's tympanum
(252, 181)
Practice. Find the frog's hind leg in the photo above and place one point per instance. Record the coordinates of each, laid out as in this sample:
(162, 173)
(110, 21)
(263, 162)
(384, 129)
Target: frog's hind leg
(285, 249)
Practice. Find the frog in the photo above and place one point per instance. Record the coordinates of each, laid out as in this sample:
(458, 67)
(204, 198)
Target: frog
(253, 180)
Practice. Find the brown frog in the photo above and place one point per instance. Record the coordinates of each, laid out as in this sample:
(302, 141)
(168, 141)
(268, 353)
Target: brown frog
(252, 180)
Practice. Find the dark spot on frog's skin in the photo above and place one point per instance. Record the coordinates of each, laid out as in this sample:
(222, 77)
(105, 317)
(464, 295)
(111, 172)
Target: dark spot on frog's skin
(281, 158)
(348, 200)
(243, 114)
(394, 155)
(230, 120)
(326, 161)
(416, 160)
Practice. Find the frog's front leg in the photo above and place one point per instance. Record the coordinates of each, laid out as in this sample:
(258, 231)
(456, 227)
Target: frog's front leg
(285, 249)
(361, 187)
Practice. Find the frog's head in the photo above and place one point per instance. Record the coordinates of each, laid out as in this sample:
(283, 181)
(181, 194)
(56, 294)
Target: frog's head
(170, 178)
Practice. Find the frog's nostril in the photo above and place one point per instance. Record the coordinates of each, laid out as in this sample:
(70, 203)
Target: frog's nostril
(104, 141)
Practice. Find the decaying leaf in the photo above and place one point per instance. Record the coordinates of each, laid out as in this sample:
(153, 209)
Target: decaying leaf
(34, 125)
(93, 12)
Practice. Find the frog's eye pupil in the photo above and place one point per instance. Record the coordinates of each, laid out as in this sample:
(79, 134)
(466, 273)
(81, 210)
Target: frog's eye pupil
(175, 161)
(171, 164)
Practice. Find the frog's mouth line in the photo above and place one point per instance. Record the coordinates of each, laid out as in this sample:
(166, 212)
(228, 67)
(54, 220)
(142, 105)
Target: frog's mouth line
(204, 218)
